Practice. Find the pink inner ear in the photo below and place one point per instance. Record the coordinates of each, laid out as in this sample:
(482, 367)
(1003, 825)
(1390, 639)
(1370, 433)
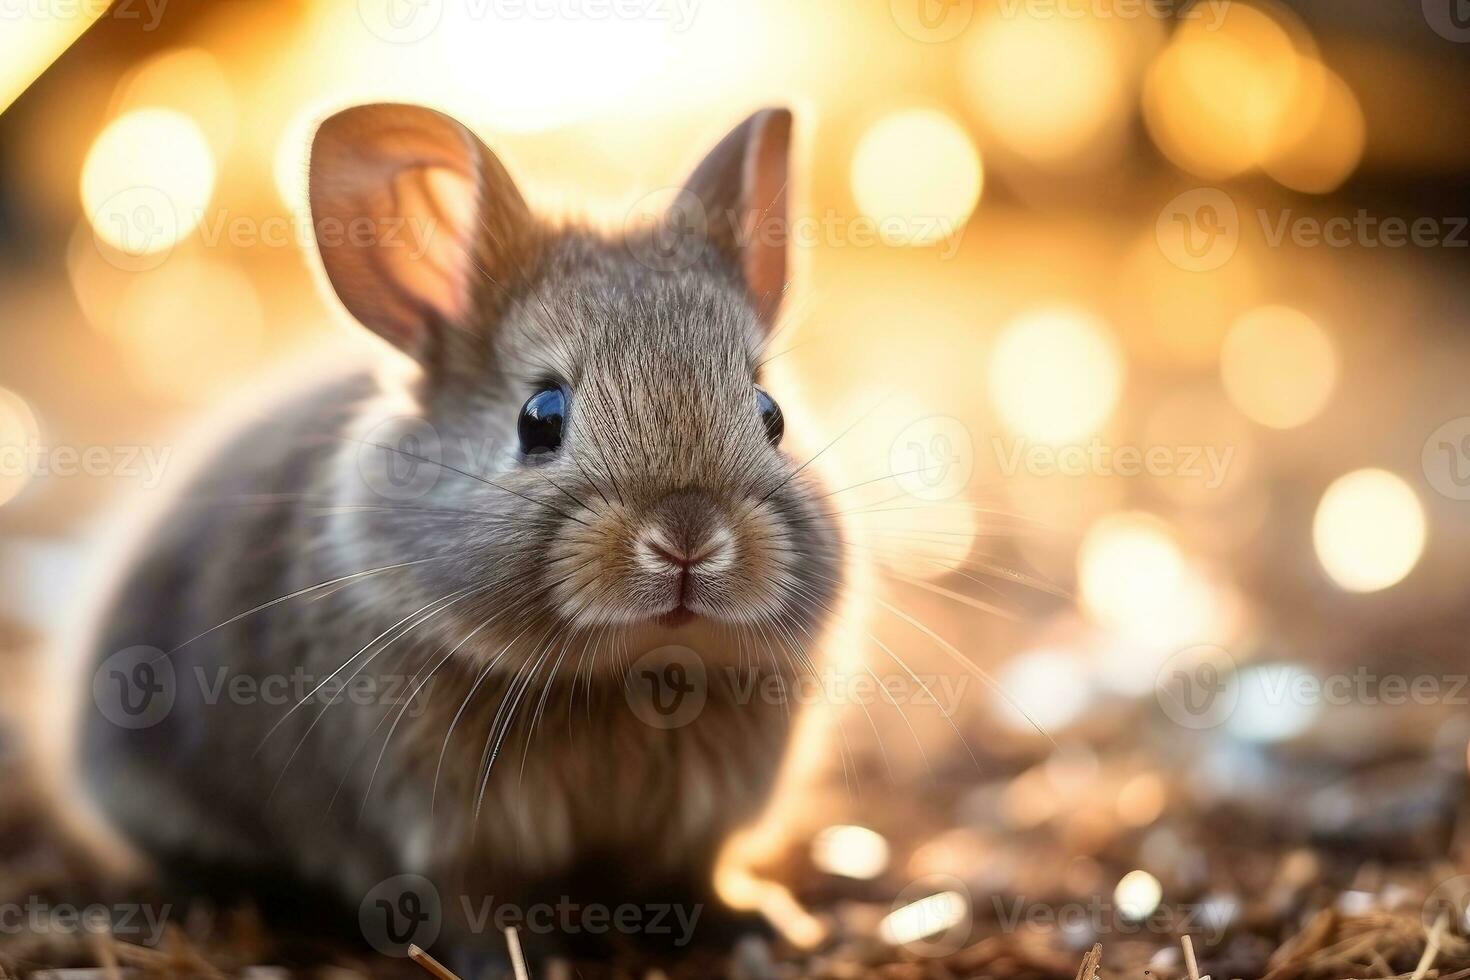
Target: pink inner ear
(764, 178)
(434, 260)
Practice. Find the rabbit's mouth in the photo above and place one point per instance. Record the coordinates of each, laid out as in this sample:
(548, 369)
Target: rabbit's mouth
(680, 615)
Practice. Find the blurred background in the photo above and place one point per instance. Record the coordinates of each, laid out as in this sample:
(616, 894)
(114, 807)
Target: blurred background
(1142, 324)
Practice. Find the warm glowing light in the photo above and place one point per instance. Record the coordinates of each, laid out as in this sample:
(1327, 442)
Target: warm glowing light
(1329, 137)
(190, 325)
(927, 917)
(1047, 87)
(599, 61)
(190, 81)
(1141, 800)
(1218, 97)
(917, 174)
(1135, 580)
(850, 851)
(1055, 375)
(19, 435)
(293, 150)
(1049, 686)
(1176, 317)
(744, 890)
(1369, 530)
(1278, 366)
(29, 45)
(147, 180)
(1138, 894)
(1270, 707)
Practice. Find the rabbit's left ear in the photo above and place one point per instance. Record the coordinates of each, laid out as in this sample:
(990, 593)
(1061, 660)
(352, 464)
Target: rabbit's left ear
(413, 217)
(741, 185)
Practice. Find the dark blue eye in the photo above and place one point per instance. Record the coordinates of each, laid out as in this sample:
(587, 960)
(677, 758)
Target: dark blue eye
(771, 416)
(541, 420)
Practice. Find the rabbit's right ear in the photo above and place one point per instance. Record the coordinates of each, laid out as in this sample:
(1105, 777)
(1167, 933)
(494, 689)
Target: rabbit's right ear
(740, 187)
(414, 219)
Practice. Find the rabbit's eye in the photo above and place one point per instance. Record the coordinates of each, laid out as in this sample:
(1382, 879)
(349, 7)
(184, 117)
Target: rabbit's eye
(541, 421)
(770, 414)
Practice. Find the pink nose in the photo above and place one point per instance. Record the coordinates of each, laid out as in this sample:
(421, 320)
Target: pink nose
(687, 531)
(676, 557)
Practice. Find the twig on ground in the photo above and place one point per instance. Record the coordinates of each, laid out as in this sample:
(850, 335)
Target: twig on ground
(1090, 963)
(423, 959)
(1431, 948)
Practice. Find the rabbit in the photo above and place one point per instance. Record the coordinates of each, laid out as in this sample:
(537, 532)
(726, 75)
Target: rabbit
(551, 555)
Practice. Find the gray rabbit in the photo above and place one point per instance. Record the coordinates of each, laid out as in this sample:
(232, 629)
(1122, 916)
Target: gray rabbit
(510, 609)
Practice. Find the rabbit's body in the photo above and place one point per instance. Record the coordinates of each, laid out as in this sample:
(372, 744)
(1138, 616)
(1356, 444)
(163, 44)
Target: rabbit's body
(482, 599)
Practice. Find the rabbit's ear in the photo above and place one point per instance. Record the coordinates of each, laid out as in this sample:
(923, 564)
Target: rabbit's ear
(414, 218)
(741, 185)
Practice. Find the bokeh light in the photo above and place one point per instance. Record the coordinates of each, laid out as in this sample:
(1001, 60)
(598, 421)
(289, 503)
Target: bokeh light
(917, 174)
(1278, 366)
(850, 851)
(147, 180)
(190, 81)
(1141, 800)
(1055, 374)
(1329, 135)
(19, 434)
(1135, 580)
(927, 917)
(1048, 687)
(1271, 706)
(1138, 894)
(1369, 530)
(1217, 98)
(1046, 87)
(600, 62)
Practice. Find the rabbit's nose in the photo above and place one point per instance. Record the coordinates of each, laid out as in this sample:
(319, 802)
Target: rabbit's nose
(688, 532)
